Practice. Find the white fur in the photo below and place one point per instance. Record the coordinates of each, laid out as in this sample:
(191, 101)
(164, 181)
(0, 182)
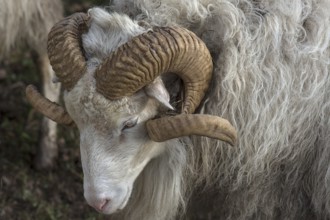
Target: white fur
(24, 21)
(106, 33)
(271, 80)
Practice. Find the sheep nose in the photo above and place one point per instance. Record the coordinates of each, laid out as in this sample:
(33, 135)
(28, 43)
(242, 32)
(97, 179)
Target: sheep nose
(99, 205)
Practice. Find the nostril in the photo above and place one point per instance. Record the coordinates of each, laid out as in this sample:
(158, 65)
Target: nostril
(100, 205)
(105, 202)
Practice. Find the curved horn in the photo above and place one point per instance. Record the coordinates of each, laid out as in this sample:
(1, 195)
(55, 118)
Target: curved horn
(65, 50)
(166, 128)
(50, 109)
(141, 60)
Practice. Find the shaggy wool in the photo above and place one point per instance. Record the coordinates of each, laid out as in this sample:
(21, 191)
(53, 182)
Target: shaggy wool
(271, 81)
(27, 22)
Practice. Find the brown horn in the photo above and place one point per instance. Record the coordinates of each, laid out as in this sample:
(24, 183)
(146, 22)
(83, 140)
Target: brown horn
(166, 128)
(65, 49)
(138, 62)
(50, 109)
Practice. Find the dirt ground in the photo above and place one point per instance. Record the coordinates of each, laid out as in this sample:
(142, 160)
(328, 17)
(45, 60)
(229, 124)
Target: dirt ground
(26, 193)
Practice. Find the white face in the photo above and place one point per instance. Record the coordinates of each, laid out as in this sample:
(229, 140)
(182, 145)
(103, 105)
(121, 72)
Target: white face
(114, 144)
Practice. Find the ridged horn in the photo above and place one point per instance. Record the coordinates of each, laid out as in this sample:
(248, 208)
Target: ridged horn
(65, 49)
(50, 109)
(166, 128)
(139, 61)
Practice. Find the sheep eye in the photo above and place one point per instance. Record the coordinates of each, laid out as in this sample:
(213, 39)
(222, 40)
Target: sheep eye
(129, 124)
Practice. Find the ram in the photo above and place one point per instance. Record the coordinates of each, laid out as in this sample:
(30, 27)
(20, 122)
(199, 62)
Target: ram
(133, 83)
(28, 22)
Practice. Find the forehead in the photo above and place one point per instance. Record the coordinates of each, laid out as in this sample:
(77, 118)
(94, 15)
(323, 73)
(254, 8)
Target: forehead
(98, 107)
(88, 107)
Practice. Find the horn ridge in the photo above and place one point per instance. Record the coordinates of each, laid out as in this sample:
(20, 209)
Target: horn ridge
(65, 49)
(162, 50)
(50, 109)
(166, 128)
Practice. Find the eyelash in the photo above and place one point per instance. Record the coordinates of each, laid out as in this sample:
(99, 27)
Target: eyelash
(129, 124)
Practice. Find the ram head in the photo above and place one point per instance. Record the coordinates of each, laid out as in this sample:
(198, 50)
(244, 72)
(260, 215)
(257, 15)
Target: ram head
(111, 69)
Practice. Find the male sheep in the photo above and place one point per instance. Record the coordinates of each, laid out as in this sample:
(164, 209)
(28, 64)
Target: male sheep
(29, 22)
(270, 79)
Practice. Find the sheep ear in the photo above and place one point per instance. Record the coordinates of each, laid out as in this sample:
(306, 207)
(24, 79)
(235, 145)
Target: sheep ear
(157, 90)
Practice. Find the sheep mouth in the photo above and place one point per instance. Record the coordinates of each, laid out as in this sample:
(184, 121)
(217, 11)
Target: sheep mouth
(111, 209)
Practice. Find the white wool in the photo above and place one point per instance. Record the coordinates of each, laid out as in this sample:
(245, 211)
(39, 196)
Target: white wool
(106, 33)
(27, 22)
(271, 81)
